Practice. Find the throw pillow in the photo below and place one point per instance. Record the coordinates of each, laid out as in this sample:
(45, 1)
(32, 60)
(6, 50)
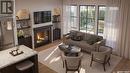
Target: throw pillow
(99, 38)
(78, 37)
(72, 33)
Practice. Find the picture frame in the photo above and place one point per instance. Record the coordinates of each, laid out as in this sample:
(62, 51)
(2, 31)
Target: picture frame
(6, 7)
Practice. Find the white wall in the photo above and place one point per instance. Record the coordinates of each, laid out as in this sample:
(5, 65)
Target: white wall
(39, 5)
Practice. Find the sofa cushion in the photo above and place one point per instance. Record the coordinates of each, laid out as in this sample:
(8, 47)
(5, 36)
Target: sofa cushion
(91, 39)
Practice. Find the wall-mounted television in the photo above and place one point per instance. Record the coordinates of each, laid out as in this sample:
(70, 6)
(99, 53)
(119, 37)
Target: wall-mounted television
(42, 17)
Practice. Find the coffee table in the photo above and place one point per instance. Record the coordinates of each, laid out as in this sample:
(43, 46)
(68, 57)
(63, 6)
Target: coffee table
(70, 50)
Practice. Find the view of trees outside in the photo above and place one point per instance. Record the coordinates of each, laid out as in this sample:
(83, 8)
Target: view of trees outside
(87, 19)
(101, 17)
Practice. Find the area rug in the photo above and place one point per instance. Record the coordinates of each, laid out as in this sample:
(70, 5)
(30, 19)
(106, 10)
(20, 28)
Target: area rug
(51, 58)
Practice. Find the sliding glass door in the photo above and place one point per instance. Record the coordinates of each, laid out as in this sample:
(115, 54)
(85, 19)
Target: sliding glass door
(87, 19)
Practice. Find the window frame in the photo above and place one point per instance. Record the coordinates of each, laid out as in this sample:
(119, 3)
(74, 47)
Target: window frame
(98, 17)
(87, 15)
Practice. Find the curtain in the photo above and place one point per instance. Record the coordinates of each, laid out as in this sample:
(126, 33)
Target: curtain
(70, 17)
(117, 27)
(66, 18)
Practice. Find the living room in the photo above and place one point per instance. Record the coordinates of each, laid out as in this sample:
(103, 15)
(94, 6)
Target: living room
(64, 36)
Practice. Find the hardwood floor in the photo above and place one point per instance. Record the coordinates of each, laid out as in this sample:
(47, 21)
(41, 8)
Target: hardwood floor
(124, 64)
(42, 67)
(48, 46)
(45, 69)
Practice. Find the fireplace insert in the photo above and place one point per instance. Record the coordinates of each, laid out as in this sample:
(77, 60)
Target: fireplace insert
(42, 36)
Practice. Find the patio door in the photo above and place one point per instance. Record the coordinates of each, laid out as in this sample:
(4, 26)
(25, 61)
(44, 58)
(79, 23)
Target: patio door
(87, 19)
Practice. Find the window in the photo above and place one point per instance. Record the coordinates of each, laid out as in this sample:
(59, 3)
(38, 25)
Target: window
(87, 19)
(73, 17)
(101, 17)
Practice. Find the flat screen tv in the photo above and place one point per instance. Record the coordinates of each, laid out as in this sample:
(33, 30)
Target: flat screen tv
(42, 17)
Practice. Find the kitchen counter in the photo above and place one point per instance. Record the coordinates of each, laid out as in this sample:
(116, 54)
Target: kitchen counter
(6, 59)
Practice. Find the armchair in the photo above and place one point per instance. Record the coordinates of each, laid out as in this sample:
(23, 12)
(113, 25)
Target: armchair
(72, 63)
(103, 56)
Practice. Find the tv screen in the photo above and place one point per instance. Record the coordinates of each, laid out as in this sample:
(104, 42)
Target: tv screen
(42, 17)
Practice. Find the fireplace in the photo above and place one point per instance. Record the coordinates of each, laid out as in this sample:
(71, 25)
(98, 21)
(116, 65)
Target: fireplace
(42, 36)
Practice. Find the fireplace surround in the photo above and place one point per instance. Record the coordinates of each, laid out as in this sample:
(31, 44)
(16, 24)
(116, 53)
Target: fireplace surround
(42, 36)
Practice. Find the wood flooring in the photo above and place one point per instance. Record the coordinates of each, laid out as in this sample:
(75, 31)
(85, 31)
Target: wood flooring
(124, 64)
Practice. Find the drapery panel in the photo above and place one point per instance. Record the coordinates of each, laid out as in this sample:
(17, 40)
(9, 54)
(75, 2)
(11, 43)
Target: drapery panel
(117, 27)
(70, 22)
(66, 19)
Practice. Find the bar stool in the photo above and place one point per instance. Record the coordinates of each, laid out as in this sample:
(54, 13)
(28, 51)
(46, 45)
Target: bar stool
(24, 66)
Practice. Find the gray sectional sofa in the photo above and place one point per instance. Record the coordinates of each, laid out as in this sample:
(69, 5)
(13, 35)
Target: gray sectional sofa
(87, 42)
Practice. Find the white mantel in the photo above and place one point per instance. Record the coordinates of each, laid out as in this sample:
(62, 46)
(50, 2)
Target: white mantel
(41, 25)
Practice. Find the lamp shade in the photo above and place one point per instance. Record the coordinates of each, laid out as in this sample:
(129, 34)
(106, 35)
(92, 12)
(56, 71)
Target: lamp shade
(23, 14)
(56, 11)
